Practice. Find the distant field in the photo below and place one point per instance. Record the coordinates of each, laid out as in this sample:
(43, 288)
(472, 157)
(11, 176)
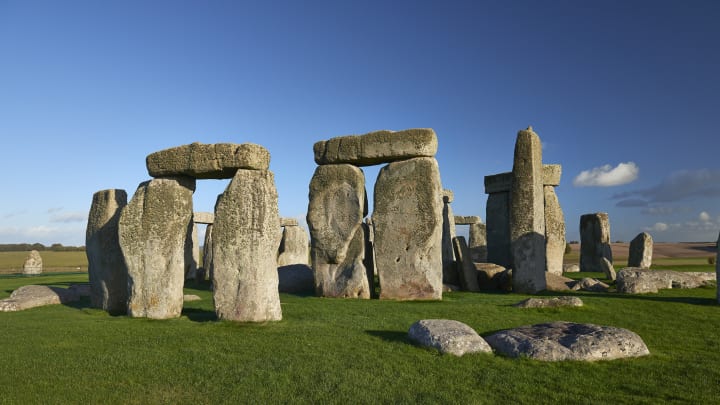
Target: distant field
(12, 262)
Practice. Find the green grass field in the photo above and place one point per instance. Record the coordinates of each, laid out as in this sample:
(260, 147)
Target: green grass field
(349, 351)
(12, 262)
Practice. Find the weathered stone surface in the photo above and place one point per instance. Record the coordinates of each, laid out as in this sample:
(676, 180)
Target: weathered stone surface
(450, 272)
(293, 246)
(571, 268)
(551, 175)
(554, 231)
(554, 302)
(448, 196)
(206, 218)
(608, 269)
(296, 278)
(153, 229)
(558, 341)
(338, 203)
(31, 296)
(192, 252)
(594, 241)
(641, 249)
(207, 161)
(465, 267)
(527, 215)
(408, 230)
(246, 237)
(502, 182)
(478, 242)
(589, 284)
(369, 258)
(493, 277)
(633, 280)
(377, 147)
(467, 220)
(498, 229)
(289, 222)
(557, 282)
(33, 263)
(191, 298)
(448, 337)
(106, 266)
(208, 252)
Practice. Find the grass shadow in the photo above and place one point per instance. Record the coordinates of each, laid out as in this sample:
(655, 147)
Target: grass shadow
(199, 315)
(390, 336)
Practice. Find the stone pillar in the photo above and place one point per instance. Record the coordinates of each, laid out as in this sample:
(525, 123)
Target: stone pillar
(192, 252)
(208, 252)
(106, 266)
(33, 263)
(465, 266)
(450, 274)
(497, 215)
(641, 250)
(477, 242)
(527, 215)
(246, 236)
(594, 241)
(554, 232)
(338, 204)
(408, 230)
(293, 246)
(369, 259)
(152, 233)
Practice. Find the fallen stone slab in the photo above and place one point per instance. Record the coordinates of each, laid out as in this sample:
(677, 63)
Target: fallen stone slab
(554, 302)
(207, 161)
(493, 277)
(634, 280)
(589, 284)
(377, 147)
(191, 298)
(31, 296)
(558, 341)
(571, 268)
(556, 282)
(448, 337)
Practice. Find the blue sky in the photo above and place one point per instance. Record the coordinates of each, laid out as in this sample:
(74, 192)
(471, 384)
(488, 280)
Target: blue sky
(625, 91)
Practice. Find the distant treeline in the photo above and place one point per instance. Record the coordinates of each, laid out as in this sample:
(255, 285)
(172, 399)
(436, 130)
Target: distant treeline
(56, 247)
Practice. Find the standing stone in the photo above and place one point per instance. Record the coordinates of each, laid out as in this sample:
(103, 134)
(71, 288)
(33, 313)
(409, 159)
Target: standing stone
(477, 242)
(497, 213)
(33, 263)
(641, 249)
(208, 252)
(192, 252)
(107, 271)
(293, 246)
(594, 241)
(338, 204)
(450, 274)
(608, 269)
(246, 236)
(369, 259)
(554, 232)
(408, 230)
(153, 229)
(466, 268)
(527, 215)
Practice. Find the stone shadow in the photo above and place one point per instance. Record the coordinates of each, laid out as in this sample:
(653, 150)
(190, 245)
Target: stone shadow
(390, 336)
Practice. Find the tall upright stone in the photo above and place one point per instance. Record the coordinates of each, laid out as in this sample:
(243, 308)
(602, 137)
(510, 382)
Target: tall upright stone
(641, 250)
(527, 215)
(293, 246)
(408, 230)
(208, 252)
(246, 236)
(369, 258)
(153, 229)
(33, 263)
(192, 252)
(594, 241)
(497, 215)
(450, 274)
(107, 271)
(338, 204)
(477, 242)
(554, 232)
(465, 266)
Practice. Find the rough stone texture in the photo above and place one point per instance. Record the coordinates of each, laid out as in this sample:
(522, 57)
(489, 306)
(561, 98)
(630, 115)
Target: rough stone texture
(589, 284)
(208, 252)
(594, 241)
(31, 296)
(448, 337)
(33, 263)
(633, 280)
(502, 182)
(191, 298)
(465, 267)
(554, 302)
(448, 196)
(641, 250)
(552, 175)
(246, 237)
(493, 277)
(192, 252)
(527, 215)
(338, 203)
(557, 282)
(377, 147)
(206, 218)
(296, 278)
(554, 231)
(467, 220)
(608, 269)
(153, 229)
(497, 213)
(369, 258)
(450, 273)
(408, 230)
(571, 268)
(478, 242)
(107, 271)
(207, 161)
(559, 341)
(293, 246)
(289, 222)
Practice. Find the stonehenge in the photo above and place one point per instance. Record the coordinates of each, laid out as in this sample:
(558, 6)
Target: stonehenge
(641, 249)
(406, 225)
(594, 241)
(525, 223)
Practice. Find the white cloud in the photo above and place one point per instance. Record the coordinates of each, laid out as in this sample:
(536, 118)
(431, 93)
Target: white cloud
(704, 217)
(606, 176)
(658, 227)
(69, 217)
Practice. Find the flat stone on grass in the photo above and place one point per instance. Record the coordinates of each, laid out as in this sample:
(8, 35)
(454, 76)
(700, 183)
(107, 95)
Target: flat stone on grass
(554, 302)
(448, 336)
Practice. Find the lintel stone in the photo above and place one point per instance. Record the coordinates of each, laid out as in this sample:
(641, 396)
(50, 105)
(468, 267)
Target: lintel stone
(467, 220)
(502, 182)
(208, 161)
(206, 218)
(377, 147)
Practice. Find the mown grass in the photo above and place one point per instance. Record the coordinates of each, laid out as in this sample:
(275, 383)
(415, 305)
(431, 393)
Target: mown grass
(12, 262)
(349, 351)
